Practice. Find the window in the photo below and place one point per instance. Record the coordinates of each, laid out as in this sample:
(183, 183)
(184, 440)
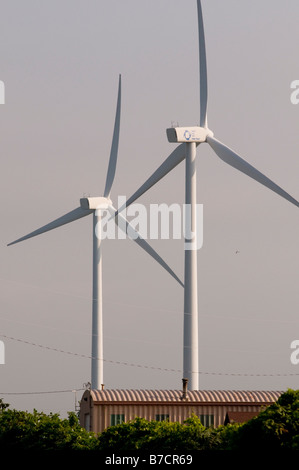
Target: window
(116, 419)
(162, 417)
(207, 420)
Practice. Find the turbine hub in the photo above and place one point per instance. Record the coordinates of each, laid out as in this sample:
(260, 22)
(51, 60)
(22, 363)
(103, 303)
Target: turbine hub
(188, 134)
(93, 203)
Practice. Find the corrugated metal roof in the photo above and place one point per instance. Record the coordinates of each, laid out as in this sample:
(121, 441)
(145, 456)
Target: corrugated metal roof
(214, 396)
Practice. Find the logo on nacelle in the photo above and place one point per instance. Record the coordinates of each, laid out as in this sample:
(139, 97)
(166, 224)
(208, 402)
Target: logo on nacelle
(187, 135)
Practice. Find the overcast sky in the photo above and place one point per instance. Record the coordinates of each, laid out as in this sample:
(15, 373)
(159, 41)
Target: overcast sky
(60, 62)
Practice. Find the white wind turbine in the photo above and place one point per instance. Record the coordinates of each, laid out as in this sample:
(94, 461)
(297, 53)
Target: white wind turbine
(95, 206)
(189, 138)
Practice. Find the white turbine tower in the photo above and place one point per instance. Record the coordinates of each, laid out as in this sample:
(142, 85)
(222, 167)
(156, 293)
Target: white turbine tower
(189, 138)
(95, 206)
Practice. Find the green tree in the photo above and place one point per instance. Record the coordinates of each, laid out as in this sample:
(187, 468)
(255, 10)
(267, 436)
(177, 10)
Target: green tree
(275, 428)
(38, 431)
(159, 436)
(3, 405)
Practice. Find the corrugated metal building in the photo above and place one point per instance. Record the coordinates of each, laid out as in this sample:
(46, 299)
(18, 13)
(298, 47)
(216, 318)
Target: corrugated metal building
(100, 409)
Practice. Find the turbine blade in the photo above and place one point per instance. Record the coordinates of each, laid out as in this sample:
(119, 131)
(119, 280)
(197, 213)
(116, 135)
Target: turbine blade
(114, 146)
(125, 225)
(65, 219)
(202, 68)
(176, 157)
(230, 157)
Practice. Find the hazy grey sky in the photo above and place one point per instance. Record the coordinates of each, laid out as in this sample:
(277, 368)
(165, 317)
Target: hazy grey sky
(60, 62)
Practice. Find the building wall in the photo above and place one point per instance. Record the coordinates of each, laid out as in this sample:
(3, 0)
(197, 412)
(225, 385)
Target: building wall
(97, 407)
(98, 417)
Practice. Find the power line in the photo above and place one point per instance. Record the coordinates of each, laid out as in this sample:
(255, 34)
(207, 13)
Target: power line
(42, 392)
(142, 366)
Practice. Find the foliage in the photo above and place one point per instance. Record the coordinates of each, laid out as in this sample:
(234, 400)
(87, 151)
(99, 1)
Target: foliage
(38, 431)
(275, 428)
(159, 436)
(3, 405)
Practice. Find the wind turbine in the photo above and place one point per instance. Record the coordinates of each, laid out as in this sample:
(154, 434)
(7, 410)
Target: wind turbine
(96, 206)
(189, 138)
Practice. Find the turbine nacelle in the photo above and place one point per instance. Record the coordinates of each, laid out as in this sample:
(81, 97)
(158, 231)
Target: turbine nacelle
(188, 134)
(94, 203)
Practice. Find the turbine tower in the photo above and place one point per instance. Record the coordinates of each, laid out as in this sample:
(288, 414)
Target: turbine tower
(96, 206)
(189, 138)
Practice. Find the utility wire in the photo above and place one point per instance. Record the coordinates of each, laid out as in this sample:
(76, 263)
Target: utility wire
(43, 392)
(142, 366)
